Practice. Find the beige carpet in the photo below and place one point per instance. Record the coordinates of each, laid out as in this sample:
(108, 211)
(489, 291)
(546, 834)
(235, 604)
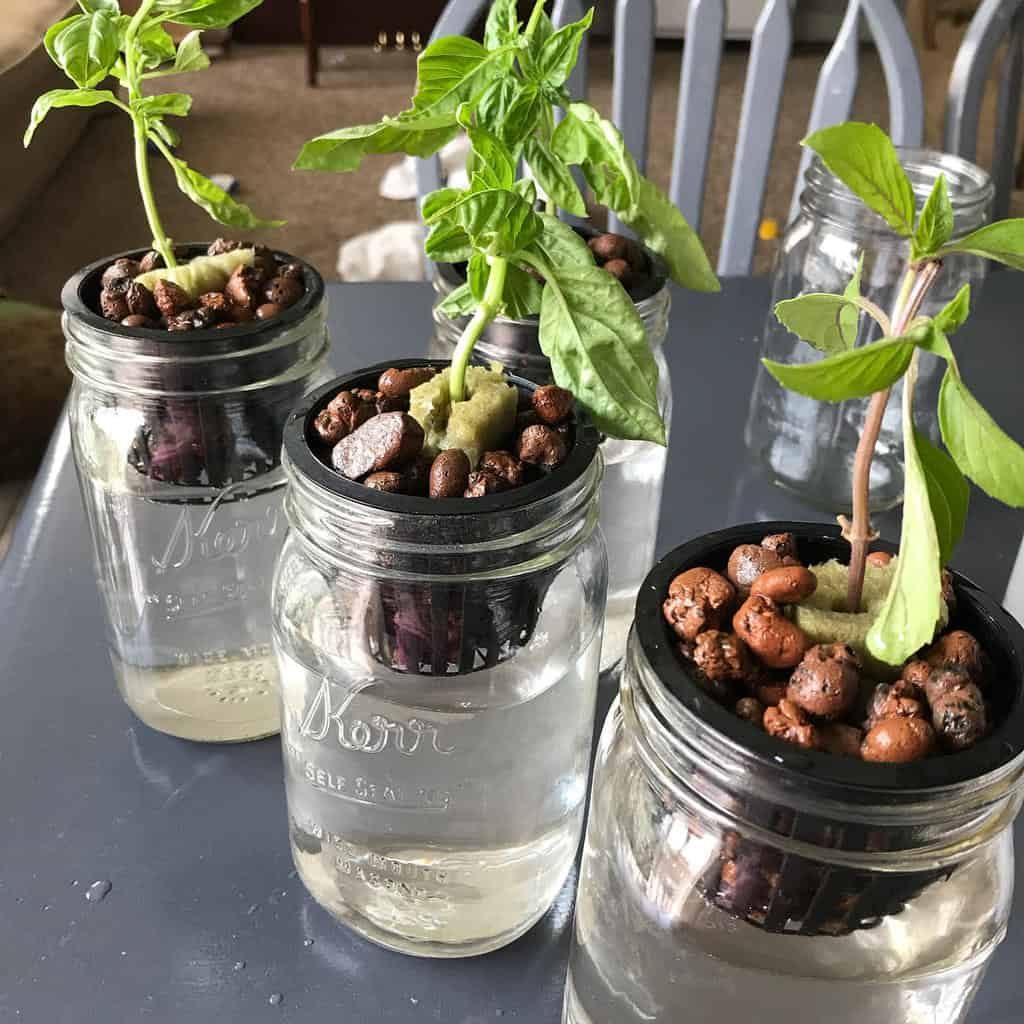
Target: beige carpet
(252, 113)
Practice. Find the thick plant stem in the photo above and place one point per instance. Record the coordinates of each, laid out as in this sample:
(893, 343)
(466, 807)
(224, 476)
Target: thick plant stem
(858, 532)
(486, 311)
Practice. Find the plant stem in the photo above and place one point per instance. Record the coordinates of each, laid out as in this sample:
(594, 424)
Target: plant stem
(531, 25)
(859, 533)
(486, 311)
(133, 77)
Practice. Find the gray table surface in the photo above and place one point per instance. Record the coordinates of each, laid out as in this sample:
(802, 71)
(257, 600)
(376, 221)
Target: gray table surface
(205, 920)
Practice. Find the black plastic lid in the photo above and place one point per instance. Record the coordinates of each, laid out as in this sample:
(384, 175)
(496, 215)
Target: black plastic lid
(996, 630)
(300, 442)
(80, 297)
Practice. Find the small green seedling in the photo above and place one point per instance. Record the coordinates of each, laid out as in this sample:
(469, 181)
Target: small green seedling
(101, 43)
(935, 491)
(504, 93)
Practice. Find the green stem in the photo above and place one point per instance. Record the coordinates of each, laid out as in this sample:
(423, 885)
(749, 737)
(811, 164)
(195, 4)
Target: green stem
(531, 25)
(133, 77)
(486, 311)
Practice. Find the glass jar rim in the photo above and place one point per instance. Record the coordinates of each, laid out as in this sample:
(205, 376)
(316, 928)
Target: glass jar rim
(970, 186)
(844, 779)
(206, 344)
(302, 460)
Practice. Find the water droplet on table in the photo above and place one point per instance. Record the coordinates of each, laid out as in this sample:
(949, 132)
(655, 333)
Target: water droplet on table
(98, 890)
(276, 999)
(252, 910)
(239, 965)
(307, 943)
(414, 1001)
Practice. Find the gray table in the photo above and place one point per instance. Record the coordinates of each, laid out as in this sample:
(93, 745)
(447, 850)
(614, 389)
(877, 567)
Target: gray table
(205, 920)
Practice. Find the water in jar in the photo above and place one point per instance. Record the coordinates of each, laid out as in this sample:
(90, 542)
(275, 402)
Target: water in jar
(186, 581)
(438, 816)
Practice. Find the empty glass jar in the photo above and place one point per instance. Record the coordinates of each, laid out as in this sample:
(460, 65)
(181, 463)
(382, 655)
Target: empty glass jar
(728, 876)
(176, 439)
(808, 446)
(439, 665)
(634, 470)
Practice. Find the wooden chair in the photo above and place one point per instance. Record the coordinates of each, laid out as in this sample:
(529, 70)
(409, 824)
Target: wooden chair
(758, 116)
(997, 21)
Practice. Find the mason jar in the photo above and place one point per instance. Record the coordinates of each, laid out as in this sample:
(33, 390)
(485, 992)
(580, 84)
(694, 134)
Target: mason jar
(729, 876)
(176, 439)
(439, 664)
(808, 446)
(634, 471)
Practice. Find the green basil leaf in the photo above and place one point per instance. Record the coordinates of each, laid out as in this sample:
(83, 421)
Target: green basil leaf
(497, 220)
(438, 202)
(935, 224)
(493, 105)
(50, 36)
(448, 243)
(158, 127)
(459, 302)
(586, 138)
(492, 160)
(554, 177)
(982, 450)
(214, 200)
(864, 159)
(174, 104)
(86, 47)
(849, 315)
(1002, 241)
(502, 26)
(913, 607)
(523, 294)
(478, 271)
(343, 150)
(156, 45)
(455, 70)
(853, 374)
(659, 222)
(209, 13)
(948, 493)
(543, 30)
(64, 98)
(595, 340)
(561, 246)
(526, 188)
(817, 318)
(111, 6)
(955, 312)
(559, 53)
(190, 55)
(522, 118)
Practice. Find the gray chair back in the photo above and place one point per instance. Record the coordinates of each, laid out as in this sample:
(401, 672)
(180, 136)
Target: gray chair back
(995, 22)
(698, 89)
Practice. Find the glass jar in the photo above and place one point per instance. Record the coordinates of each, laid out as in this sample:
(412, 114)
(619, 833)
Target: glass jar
(176, 439)
(439, 665)
(808, 446)
(729, 876)
(634, 471)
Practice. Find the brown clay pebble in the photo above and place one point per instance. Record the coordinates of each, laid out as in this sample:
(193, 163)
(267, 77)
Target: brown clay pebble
(395, 383)
(721, 656)
(113, 306)
(787, 722)
(619, 269)
(449, 474)
(120, 270)
(958, 716)
(217, 304)
(152, 260)
(243, 287)
(898, 740)
(291, 270)
(783, 545)
(789, 584)
(329, 427)
(383, 441)
(351, 410)
(916, 672)
(134, 320)
(775, 640)
(751, 709)
(170, 299)
(552, 404)
(504, 465)
(609, 247)
(771, 693)
(384, 404)
(957, 649)
(747, 562)
(902, 699)
(826, 682)
(219, 246)
(698, 599)
(140, 301)
(267, 310)
(191, 320)
(879, 558)
(841, 739)
(283, 291)
(541, 446)
(386, 480)
(483, 482)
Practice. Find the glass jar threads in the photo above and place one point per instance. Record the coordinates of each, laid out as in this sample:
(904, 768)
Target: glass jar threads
(808, 446)
(176, 439)
(634, 470)
(439, 663)
(728, 875)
